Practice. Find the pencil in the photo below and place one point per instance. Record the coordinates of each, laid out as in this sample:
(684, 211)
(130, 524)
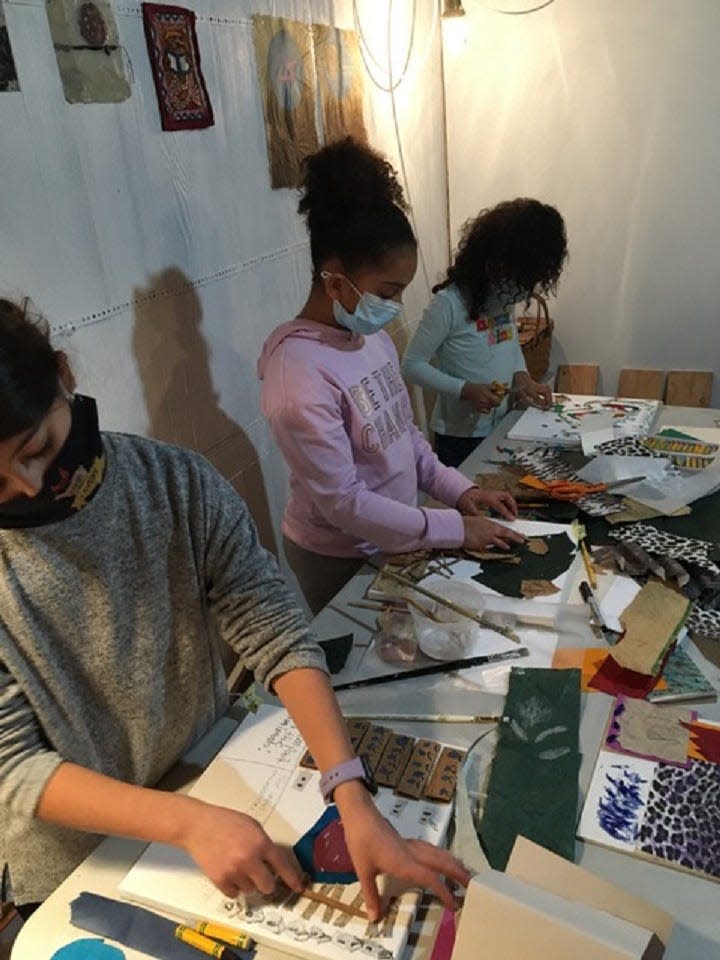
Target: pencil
(429, 717)
(588, 564)
(442, 666)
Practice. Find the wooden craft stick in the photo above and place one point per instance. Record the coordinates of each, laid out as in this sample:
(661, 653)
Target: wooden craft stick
(368, 604)
(589, 568)
(451, 605)
(331, 902)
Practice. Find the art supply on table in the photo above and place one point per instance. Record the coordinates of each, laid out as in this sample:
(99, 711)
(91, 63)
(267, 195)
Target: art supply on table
(450, 604)
(428, 717)
(442, 666)
(652, 623)
(258, 772)
(219, 931)
(684, 681)
(573, 490)
(587, 561)
(88, 949)
(538, 744)
(589, 598)
(333, 902)
(560, 425)
(658, 810)
(203, 944)
(134, 927)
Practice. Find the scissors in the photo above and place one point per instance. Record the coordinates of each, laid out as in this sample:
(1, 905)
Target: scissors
(573, 489)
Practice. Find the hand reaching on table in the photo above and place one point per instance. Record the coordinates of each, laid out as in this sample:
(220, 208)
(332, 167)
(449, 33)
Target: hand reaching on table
(376, 848)
(476, 499)
(481, 533)
(233, 851)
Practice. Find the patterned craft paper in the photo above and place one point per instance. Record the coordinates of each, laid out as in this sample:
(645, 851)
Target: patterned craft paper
(651, 623)
(8, 75)
(286, 76)
(340, 82)
(88, 52)
(658, 810)
(641, 729)
(175, 60)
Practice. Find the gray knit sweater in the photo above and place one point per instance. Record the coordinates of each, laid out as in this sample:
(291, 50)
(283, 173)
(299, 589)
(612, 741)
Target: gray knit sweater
(108, 638)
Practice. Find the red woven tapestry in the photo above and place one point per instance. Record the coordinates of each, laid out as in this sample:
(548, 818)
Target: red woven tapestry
(175, 59)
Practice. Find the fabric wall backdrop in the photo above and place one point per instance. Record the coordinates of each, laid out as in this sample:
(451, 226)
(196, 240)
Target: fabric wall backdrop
(164, 259)
(606, 110)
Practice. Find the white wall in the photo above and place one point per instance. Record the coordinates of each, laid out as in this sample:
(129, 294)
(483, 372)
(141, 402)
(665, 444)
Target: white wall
(609, 110)
(165, 259)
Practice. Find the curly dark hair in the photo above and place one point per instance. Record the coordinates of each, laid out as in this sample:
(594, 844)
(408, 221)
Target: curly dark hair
(519, 242)
(353, 205)
(29, 370)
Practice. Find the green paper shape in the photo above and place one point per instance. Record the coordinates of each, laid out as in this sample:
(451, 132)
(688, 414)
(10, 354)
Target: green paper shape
(533, 786)
(507, 578)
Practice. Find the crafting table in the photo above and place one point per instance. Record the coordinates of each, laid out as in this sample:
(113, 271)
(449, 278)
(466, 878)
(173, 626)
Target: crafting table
(693, 901)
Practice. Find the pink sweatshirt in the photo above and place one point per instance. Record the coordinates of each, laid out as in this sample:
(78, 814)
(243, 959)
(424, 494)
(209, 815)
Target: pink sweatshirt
(341, 415)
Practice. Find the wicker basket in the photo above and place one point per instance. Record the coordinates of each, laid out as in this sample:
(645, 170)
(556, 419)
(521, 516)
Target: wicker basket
(535, 335)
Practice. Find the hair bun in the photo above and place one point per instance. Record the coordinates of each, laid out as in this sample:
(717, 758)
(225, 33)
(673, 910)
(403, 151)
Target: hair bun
(347, 176)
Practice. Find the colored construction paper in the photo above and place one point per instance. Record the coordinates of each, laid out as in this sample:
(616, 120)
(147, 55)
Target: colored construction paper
(705, 741)
(507, 579)
(651, 622)
(613, 679)
(88, 949)
(134, 927)
(646, 730)
(323, 853)
(533, 785)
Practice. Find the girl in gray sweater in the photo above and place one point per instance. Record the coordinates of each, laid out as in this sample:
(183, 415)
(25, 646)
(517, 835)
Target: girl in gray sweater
(122, 562)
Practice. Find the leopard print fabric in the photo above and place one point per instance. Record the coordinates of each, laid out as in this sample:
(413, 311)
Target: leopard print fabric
(659, 543)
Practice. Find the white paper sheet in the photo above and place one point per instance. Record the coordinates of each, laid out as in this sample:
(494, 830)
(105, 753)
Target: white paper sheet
(595, 430)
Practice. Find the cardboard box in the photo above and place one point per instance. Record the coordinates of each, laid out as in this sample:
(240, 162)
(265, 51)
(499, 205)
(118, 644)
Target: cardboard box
(505, 917)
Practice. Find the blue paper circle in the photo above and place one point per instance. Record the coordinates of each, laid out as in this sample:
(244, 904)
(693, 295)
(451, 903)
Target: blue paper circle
(88, 949)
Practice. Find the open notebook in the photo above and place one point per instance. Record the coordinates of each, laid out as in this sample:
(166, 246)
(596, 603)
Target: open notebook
(258, 773)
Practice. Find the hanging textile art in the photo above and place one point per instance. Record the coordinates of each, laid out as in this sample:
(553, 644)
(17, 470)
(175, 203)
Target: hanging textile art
(340, 82)
(175, 60)
(87, 49)
(286, 76)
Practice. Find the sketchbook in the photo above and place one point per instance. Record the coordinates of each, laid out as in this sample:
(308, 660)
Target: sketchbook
(562, 424)
(258, 772)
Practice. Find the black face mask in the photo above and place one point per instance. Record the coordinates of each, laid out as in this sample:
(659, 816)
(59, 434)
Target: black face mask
(71, 480)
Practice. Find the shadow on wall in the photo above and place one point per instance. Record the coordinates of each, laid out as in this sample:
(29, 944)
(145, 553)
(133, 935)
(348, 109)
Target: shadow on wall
(173, 361)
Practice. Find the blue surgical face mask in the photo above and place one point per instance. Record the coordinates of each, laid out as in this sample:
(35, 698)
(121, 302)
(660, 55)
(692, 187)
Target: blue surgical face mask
(371, 312)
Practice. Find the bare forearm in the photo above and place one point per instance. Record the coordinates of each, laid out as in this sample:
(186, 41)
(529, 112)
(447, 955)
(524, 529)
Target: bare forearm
(310, 700)
(82, 799)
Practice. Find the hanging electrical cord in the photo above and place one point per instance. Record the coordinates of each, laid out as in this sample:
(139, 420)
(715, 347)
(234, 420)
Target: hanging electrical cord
(516, 13)
(401, 154)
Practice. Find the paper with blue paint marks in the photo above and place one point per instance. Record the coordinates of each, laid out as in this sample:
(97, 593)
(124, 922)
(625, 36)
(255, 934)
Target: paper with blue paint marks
(615, 805)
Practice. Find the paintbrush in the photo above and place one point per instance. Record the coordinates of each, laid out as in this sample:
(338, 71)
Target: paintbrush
(450, 604)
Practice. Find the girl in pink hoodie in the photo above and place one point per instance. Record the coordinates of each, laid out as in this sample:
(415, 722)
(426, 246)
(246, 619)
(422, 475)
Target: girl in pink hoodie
(336, 402)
